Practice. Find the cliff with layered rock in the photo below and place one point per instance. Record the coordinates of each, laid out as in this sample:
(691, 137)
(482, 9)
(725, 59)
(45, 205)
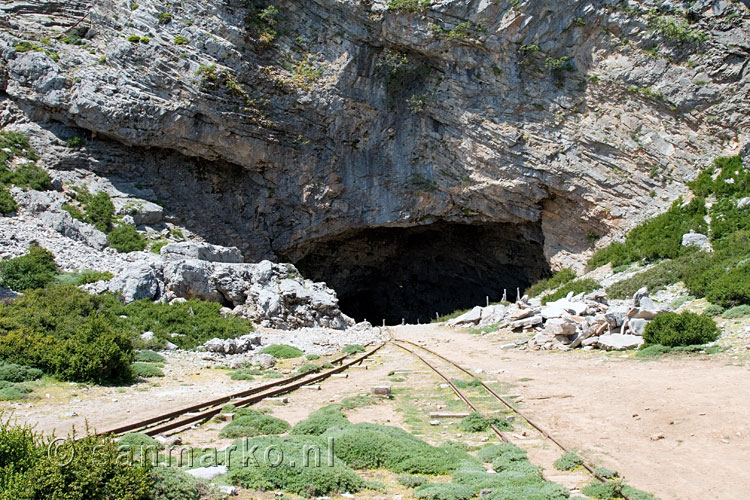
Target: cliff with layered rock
(284, 128)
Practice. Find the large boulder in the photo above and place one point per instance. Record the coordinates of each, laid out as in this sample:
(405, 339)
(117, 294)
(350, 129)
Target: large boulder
(693, 239)
(471, 317)
(618, 342)
(143, 212)
(65, 224)
(201, 251)
(142, 280)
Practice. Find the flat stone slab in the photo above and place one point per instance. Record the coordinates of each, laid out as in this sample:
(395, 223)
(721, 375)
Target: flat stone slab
(207, 473)
(618, 342)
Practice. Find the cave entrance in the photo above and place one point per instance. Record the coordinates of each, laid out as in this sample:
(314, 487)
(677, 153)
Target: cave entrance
(413, 273)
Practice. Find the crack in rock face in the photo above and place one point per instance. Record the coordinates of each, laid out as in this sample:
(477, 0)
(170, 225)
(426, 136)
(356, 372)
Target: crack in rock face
(415, 272)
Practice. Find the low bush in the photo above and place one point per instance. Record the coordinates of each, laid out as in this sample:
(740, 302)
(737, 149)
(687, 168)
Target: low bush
(606, 473)
(371, 446)
(280, 351)
(352, 349)
(444, 491)
(714, 310)
(136, 446)
(672, 329)
(559, 279)
(463, 384)
(293, 466)
(11, 393)
(243, 374)
(97, 209)
(36, 269)
(477, 423)
(615, 490)
(126, 239)
(146, 370)
(732, 180)
(311, 357)
(319, 421)
(8, 204)
(308, 368)
(254, 424)
(652, 351)
(736, 312)
(28, 176)
(411, 481)
(356, 402)
(508, 451)
(657, 238)
(78, 278)
(11, 372)
(194, 321)
(171, 483)
(578, 286)
(569, 461)
(149, 357)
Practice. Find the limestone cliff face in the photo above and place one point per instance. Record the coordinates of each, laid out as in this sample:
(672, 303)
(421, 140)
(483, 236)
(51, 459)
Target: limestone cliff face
(273, 129)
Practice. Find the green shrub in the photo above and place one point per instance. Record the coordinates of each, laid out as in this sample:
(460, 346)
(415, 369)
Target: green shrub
(194, 321)
(671, 329)
(36, 269)
(508, 451)
(8, 204)
(125, 239)
(181, 40)
(409, 6)
(615, 490)
(13, 144)
(319, 421)
(11, 372)
(569, 461)
(244, 374)
(293, 467)
(157, 246)
(443, 491)
(149, 357)
(462, 384)
(97, 210)
(559, 279)
(146, 370)
(97, 353)
(95, 473)
(411, 481)
(657, 238)
(254, 424)
(352, 349)
(371, 446)
(171, 483)
(282, 351)
(578, 286)
(134, 38)
(733, 180)
(727, 218)
(713, 310)
(27, 176)
(736, 312)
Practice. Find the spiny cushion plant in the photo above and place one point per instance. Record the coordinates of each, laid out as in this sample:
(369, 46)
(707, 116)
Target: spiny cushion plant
(251, 423)
(281, 351)
(475, 422)
(302, 465)
(319, 421)
(569, 461)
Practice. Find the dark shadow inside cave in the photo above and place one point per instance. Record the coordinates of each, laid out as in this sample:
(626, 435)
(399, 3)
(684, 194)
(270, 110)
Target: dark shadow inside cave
(413, 273)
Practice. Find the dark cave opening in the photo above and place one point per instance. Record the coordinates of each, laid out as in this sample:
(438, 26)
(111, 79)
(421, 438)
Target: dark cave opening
(413, 273)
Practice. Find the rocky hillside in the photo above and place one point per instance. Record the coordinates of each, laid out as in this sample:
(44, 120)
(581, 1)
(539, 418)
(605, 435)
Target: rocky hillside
(286, 127)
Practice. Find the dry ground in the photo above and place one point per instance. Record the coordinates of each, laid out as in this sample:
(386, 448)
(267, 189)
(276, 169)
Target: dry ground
(605, 406)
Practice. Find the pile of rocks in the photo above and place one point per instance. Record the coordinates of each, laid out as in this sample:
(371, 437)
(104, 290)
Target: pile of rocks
(272, 295)
(585, 320)
(240, 345)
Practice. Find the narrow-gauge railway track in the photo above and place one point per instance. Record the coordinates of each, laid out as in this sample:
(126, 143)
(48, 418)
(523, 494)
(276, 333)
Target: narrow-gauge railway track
(398, 342)
(202, 411)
